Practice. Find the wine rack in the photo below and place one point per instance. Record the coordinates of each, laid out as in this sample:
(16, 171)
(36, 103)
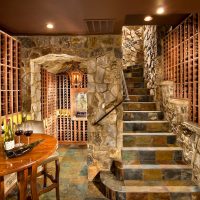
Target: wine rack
(48, 101)
(10, 80)
(69, 130)
(181, 62)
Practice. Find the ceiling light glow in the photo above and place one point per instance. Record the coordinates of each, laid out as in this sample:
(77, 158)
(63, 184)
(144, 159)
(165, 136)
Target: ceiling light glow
(50, 26)
(160, 11)
(148, 18)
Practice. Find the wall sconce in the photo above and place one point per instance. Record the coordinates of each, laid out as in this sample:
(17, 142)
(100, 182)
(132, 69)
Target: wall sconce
(75, 75)
(76, 78)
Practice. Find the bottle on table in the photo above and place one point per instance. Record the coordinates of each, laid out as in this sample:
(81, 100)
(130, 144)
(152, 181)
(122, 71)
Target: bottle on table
(9, 140)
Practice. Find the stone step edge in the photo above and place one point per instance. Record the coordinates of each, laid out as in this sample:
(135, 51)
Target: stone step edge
(152, 148)
(155, 166)
(154, 121)
(149, 134)
(141, 111)
(110, 181)
(142, 102)
(161, 189)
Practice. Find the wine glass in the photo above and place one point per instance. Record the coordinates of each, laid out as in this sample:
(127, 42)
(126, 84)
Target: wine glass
(18, 133)
(28, 131)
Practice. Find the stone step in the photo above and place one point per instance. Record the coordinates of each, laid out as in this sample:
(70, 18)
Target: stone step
(114, 189)
(149, 139)
(138, 91)
(151, 172)
(133, 74)
(141, 98)
(151, 155)
(142, 115)
(145, 126)
(139, 106)
(134, 79)
(134, 69)
(136, 85)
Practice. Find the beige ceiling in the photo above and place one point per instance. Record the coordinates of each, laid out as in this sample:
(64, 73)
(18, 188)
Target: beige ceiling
(30, 16)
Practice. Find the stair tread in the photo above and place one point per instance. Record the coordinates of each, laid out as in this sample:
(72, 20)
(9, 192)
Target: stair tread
(157, 166)
(150, 134)
(162, 189)
(135, 102)
(152, 148)
(169, 186)
(141, 111)
(146, 121)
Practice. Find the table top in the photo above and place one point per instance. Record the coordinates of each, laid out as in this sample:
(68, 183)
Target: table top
(37, 155)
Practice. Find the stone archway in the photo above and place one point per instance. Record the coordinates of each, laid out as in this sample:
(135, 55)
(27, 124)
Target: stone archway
(54, 63)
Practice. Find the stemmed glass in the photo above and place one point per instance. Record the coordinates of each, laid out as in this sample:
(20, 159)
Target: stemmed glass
(28, 132)
(18, 133)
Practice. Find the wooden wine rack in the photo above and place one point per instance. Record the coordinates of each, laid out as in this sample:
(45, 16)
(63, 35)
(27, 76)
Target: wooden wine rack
(181, 53)
(48, 101)
(10, 80)
(69, 130)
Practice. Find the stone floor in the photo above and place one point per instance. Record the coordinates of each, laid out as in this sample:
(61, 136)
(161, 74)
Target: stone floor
(73, 176)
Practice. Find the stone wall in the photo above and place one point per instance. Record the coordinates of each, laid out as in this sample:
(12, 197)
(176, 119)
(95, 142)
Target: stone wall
(101, 55)
(132, 45)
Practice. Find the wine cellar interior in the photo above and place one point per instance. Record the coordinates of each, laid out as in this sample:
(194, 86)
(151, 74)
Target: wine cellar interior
(111, 97)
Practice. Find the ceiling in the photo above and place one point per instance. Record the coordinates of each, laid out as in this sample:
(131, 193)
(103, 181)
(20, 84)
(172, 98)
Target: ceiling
(68, 16)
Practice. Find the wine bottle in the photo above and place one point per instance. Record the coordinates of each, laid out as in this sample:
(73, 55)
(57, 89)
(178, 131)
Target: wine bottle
(9, 142)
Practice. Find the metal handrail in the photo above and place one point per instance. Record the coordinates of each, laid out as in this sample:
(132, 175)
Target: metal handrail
(126, 98)
(125, 87)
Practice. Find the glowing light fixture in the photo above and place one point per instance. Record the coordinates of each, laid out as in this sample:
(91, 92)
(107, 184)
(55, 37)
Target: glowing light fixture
(50, 26)
(160, 10)
(148, 18)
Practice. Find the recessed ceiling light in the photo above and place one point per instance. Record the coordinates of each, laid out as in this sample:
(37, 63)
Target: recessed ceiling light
(148, 18)
(160, 10)
(50, 26)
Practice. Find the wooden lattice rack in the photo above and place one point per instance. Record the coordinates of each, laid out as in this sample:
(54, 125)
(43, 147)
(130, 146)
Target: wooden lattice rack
(69, 130)
(181, 62)
(10, 84)
(48, 101)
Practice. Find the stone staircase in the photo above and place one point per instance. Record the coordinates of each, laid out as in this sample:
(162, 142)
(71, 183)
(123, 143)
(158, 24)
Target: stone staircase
(152, 166)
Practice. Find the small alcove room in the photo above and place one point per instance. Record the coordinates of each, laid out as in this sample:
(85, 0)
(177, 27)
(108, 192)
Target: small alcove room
(100, 100)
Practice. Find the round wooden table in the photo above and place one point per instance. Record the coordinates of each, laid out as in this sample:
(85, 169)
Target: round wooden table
(30, 160)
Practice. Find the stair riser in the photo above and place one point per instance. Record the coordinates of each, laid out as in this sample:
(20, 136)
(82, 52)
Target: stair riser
(136, 85)
(138, 91)
(151, 157)
(148, 141)
(143, 116)
(133, 74)
(134, 79)
(141, 98)
(154, 174)
(147, 127)
(139, 106)
(134, 69)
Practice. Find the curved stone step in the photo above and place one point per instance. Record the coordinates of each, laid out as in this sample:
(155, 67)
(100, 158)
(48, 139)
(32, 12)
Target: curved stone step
(151, 155)
(114, 189)
(152, 172)
(142, 115)
(141, 98)
(139, 106)
(146, 126)
(149, 139)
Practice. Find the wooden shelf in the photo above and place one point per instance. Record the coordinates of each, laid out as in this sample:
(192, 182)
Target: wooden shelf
(181, 62)
(69, 130)
(10, 82)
